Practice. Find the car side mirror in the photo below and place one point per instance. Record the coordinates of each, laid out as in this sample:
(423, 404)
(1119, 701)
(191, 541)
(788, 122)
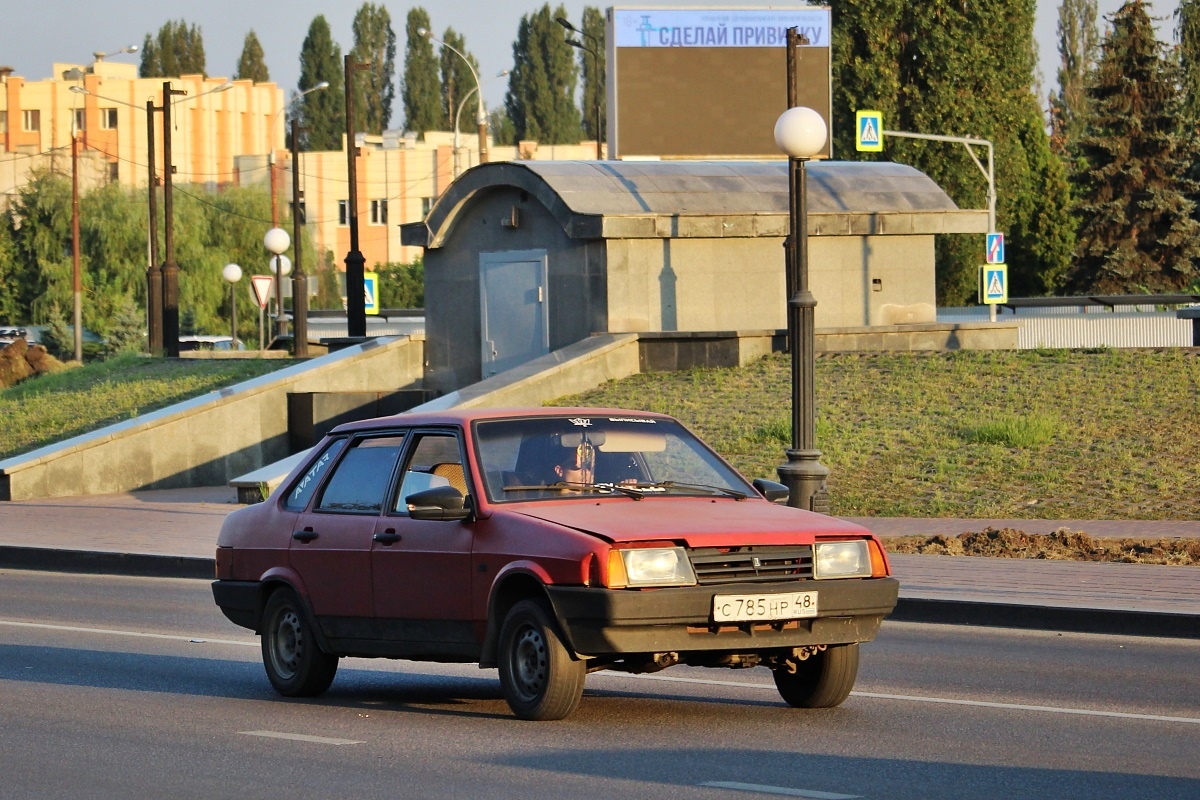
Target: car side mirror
(443, 503)
(775, 492)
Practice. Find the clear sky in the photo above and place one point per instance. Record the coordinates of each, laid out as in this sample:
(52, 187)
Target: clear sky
(39, 33)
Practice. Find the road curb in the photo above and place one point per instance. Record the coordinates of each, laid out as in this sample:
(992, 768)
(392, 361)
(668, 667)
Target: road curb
(142, 565)
(1048, 618)
(908, 609)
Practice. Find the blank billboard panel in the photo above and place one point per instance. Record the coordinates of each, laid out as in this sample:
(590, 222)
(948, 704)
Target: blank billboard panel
(709, 83)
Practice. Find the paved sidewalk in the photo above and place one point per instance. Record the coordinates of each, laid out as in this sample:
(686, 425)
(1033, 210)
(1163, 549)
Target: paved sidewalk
(174, 532)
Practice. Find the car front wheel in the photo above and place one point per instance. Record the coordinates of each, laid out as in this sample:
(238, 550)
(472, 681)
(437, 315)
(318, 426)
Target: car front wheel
(540, 678)
(295, 665)
(823, 680)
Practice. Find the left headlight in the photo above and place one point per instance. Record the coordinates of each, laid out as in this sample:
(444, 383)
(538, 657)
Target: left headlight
(657, 566)
(841, 560)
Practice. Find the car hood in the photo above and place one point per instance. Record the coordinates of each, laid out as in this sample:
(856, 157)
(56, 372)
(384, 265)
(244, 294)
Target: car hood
(698, 522)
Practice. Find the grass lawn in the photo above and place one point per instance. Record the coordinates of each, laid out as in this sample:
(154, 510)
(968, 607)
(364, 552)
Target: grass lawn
(1044, 434)
(42, 410)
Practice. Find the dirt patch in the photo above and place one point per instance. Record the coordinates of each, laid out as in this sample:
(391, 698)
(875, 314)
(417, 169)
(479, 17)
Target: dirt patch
(1063, 544)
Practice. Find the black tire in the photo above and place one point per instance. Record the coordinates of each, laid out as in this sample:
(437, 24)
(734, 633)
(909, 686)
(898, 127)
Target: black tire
(823, 680)
(540, 678)
(295, 665)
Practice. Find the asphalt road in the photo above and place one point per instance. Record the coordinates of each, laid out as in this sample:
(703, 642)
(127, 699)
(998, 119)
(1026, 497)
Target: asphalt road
(138, 688)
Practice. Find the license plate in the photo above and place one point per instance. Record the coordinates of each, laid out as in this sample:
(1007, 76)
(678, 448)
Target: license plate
(749, 607)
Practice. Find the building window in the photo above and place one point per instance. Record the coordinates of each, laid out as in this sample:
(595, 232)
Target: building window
(114, 175)
(80, 119)
(343, 212)
(426, 204)
(31, 120)
(3, 122)
(301, 212)
(108, 119)
(379, 212)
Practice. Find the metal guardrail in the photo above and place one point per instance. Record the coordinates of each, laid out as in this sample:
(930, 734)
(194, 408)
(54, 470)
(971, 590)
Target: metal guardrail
(1107, 300)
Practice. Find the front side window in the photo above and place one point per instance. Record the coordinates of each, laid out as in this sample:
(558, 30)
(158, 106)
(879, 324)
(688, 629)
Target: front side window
(436, 460)
(361, 478)
(554, 457)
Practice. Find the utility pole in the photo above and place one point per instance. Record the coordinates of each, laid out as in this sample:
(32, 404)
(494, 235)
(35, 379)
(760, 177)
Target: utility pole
(154, 290)
(170, 270)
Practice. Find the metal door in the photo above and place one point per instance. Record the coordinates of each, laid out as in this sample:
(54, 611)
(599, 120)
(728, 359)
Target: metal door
(514, 316)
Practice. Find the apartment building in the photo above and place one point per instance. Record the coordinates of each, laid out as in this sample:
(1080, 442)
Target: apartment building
(228, 133)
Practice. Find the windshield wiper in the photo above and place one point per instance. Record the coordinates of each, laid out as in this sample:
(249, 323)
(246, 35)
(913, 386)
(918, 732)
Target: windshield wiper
(629, 490)
(734, 493)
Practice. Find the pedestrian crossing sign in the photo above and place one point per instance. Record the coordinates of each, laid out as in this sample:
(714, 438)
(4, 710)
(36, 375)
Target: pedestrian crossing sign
(869, 128)
(993, 284)
(371, 292)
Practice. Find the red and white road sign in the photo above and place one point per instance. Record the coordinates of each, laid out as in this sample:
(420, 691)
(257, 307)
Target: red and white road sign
(260, 289)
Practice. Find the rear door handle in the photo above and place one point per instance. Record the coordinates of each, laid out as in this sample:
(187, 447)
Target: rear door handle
(388, 537)
(306, 535)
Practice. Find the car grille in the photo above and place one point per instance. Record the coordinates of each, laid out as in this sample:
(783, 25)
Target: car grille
(721, 565)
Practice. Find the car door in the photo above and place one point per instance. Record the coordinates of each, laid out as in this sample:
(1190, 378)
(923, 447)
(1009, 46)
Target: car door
(421, 569)
(331, 542)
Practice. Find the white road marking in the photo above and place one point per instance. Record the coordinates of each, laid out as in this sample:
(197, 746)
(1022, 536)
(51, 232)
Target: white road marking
(298, 737)
(111, 632)
(1087, 712)
(670, 679)
(780, 790)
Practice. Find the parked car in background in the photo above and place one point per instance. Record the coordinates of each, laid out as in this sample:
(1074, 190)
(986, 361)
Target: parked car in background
(549, 543)
(210, 343)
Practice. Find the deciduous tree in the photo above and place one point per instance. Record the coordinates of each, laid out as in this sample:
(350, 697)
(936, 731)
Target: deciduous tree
(421, 94)
(251, 65)
(177, 50)
(375, 90)
(1078, 44)
(541, 86)
(323, 113)
(457, 82)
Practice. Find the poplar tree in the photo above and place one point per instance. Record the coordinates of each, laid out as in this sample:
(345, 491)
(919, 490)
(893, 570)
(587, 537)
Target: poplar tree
(457, 82)
(177, 50)
(251, 65)
(421, 94)
(1136, 229)
(1187, 33)
(322, 114)
(1078, 43)
(593, 69)
(541, 86)
(375, 86)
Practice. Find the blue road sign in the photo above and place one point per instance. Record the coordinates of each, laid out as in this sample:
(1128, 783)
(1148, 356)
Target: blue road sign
(371, 292)
(995, 284)
(869, 128)
(995, 248)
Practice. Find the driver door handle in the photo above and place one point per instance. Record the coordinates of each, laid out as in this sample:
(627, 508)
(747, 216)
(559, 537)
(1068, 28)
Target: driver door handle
(388, 537)
(306, 535)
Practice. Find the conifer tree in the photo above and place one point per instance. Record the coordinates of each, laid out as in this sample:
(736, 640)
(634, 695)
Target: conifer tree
(457, 82)
(177, 50)
(322, 113)
(375, 44)
(251, 65)
(541, 86)
(1136, 229)
(421, 94)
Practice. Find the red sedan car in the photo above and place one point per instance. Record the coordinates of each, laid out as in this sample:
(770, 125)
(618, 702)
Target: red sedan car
(548, 543)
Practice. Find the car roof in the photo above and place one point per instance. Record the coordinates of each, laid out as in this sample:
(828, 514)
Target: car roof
(465, 416)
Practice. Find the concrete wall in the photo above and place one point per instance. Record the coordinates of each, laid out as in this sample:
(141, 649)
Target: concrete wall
(211, 439)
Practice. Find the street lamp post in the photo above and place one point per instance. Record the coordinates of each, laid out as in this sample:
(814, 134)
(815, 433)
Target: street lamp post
(233, 274)
(458, 116)
(356, 306)
(801, 133)
(271, 151)
(170, 270)
(594, 52)
(277, 241)
(480, 114)
(299, 279)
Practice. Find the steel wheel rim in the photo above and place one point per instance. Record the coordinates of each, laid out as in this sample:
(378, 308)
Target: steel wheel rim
(287, 643)
(529, 662)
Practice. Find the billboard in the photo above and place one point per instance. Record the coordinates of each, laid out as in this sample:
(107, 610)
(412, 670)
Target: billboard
(709, 83)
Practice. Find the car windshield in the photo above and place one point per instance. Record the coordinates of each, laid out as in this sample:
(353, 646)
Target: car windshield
(550, 458)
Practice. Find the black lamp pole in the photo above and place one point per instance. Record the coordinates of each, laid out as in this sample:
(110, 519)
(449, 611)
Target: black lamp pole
(804, 474)
(170, 270)
(299, 280)
(563, 21)
(356, 306)
(154, 287)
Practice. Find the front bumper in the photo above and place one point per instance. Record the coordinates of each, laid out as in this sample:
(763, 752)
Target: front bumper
(607, 622)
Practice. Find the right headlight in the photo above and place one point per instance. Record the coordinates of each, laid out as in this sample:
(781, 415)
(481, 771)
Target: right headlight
(650, 566)
(841, 560)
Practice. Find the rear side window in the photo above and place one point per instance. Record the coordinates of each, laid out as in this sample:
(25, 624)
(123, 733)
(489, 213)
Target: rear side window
(361, 479)
(302, 491)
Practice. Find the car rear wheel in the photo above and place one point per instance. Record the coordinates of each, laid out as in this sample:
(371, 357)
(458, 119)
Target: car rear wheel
(295, 665)
(540, 678)
(823, 680)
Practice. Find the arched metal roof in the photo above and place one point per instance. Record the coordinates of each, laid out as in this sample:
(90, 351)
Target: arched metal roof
(622, 199)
